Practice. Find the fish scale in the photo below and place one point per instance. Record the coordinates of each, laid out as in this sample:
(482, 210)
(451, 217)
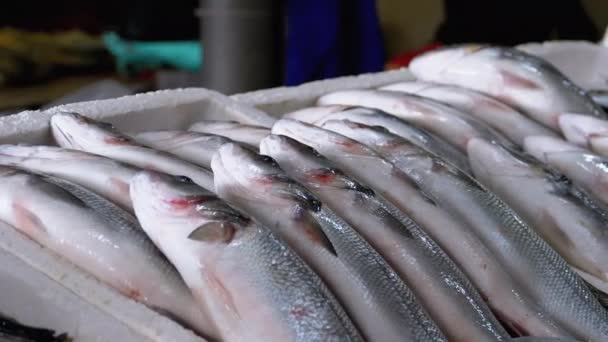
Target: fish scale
(375, 297)
(254, 287)
(361, 163)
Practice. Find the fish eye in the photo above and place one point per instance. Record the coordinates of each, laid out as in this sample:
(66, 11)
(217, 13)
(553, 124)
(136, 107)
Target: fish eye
(107, 125)
(269, 160)
(184, 179)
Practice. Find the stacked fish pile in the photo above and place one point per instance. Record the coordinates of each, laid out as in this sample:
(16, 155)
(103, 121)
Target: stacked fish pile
(467, 206)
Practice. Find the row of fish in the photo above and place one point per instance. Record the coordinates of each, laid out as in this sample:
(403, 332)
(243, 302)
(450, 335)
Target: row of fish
(447, 209)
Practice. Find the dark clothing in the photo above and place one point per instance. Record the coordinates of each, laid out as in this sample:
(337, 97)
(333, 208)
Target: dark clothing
(514, 21)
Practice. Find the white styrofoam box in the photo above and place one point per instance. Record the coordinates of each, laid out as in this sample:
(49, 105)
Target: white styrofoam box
(165, 109)
(60, 296)
(277, 101)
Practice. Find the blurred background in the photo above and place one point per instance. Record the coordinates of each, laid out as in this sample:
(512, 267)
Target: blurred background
(58, 52)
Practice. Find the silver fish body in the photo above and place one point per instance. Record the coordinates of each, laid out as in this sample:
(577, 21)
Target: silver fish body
(571, 228)
(375, 297)
(411, 252)
(104, 176)
(444, 121)
(503, 118)
(459, 297)
(512, 76)
(251, 284)
(194, 147)
(243, 133)
(72, 130)
(476, 242)
(374, 117)
(98, 237)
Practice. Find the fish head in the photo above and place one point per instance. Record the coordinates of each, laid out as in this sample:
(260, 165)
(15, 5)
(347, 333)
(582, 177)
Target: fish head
(242, 173)
(77, 131)
(429, 65)
(306, 165)
(167, 204)
(321, 139)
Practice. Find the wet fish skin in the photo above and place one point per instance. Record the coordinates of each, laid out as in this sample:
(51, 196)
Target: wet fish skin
(505, 119)
(585, 169)
(372, 293)
(75, 131)
(374, 117)
(585, 131)
(243, 133)
(475, 241)
(104, 176)
(240, 272)
(514, 77)
(194, 147)
(411, 252)
(550, 210)
(444, 121)
(98, 237)
(388, 182)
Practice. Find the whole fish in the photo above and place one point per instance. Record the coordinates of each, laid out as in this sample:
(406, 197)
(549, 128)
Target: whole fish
(459, 298)
(246, 134)
(575, 231)
(586, 131)
(98, 237)
(251, 284)
(503, 118)
(444, 121)
(374, 296)
(585, 169)
(375, 117)
(400, 240)
(195, 147)
(519, 79)
(102, 175)
(72, 130)
(476, 243)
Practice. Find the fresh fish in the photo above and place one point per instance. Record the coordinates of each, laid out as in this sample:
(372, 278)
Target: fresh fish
(474, 241)
(246, 134)
(13, 331)
(503, 118)
(460, 299)
(251, 284)
(585, 169)
(374, 117)
(375, 297)
(195, 147)
(444, 121)
(102, 175)
(405, 246)
(98, 237)
(586, 131)
(78, 132)
(524, 81)
(578, 234)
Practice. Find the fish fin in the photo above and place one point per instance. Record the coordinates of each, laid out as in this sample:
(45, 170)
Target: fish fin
(27, 221)
(288, 189)
(214, 231)
(219, 290)
(120, 185)
(313, 231)
(515, 80)
(557, 236)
